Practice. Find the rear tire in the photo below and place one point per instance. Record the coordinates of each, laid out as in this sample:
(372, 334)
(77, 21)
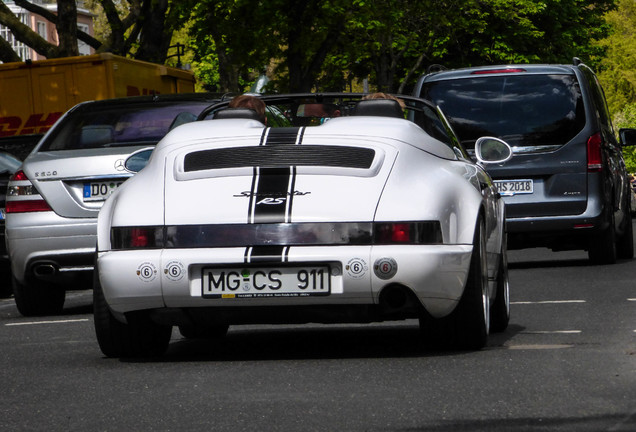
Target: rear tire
(37, 299)
(625, 246)
(602, 248)
(140, 337)
(467, 327)
(6, 284)
(500, 309)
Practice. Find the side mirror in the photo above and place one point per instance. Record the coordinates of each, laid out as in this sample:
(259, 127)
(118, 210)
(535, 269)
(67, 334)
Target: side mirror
(491, 150)
(138, 160)
(627, 137)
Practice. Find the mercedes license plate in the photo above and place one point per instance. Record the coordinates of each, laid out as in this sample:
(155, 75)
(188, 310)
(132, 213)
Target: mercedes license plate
(513, 187)
(249, 282)
(99, 191)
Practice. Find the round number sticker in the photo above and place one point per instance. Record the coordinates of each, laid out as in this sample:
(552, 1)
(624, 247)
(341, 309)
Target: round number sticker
(385, 268)
(356, 268)
(174, 270)
(147, 272)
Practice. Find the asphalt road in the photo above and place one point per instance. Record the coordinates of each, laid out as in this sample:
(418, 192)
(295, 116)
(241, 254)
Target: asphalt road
(566, 363)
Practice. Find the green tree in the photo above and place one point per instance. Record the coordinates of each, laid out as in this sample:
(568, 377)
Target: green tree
(618, 70)
(142, 29)
(393, 41)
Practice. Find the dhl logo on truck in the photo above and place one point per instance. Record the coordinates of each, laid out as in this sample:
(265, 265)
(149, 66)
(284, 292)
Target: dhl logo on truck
(35, 124)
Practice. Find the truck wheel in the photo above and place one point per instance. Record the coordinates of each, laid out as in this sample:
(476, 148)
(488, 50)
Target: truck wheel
(500, 309)
(37, 299)
(140, 337)
(602, 249)
(467, 327)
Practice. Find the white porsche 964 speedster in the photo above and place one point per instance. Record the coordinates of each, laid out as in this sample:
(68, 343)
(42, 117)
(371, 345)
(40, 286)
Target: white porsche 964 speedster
(333, 208)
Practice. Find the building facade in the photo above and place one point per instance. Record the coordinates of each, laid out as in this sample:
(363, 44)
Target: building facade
(45, 28)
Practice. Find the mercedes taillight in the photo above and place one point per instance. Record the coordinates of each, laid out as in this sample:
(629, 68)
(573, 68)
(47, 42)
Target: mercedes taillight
(23, 197)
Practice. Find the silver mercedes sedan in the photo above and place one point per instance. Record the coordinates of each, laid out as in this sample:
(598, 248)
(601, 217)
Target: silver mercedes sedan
(53, 201)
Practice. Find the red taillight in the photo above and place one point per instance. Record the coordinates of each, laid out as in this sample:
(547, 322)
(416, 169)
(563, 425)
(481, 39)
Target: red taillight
(400, 233)
(496, 71)
(136, 237)
(27, 206)
(393, 232)
(18, 176)
(140, 237)
(23, 197)
(594, 154)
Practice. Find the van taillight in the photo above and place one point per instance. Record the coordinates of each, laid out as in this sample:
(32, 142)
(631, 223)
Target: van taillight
(594, 154)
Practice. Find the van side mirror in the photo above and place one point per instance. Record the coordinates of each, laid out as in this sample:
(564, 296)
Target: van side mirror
(627, 137)
(491, 150)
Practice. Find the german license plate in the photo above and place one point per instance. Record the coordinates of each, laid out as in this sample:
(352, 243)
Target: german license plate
(513, 187)
(250, 282)
(99, 191)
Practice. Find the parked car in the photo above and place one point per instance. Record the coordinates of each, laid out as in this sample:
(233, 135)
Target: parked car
(8, 165)
(53, 201)
(566, 186)
(364, 217)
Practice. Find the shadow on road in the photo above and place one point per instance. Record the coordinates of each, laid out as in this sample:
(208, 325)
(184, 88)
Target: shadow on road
(401, 340)
(621, 422)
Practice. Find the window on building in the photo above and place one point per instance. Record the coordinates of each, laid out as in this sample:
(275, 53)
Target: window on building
(41, 29)
(83, 47)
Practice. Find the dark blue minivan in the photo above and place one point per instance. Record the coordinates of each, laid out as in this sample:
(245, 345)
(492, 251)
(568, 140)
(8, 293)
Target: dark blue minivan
(566, 186)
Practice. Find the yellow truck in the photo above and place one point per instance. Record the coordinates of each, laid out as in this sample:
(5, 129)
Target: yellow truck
(33, 95)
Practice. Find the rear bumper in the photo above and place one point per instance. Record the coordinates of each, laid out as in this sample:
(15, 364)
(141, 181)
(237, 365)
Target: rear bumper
(559, 233)
(563, 232)
(435, 275)
(45, 246)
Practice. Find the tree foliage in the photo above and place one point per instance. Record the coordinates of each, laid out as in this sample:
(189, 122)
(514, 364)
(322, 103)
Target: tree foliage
(618, 70)
(323, 45)
(327, 44)
(141, 29)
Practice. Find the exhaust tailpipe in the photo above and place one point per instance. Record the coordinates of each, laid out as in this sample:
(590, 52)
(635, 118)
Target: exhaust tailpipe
(44, 270)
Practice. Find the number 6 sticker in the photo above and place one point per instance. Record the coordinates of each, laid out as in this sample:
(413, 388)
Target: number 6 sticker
(356, 268)
(147, 272)
(174, 270)
(385, 268)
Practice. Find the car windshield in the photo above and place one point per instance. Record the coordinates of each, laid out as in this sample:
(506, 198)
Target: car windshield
(313, 109)
(8, 163)
(524, 110)
(120, 125)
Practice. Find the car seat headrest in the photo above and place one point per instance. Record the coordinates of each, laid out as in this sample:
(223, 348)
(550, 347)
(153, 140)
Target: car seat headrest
(378, 108)
(237, 113)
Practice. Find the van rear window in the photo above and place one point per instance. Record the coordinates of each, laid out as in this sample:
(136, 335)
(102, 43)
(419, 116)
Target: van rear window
(524, 110)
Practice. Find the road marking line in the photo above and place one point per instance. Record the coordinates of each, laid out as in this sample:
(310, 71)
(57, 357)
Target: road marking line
(550, 302)
(46, 322)
(552, 332)
(631, 299)
(537, 347)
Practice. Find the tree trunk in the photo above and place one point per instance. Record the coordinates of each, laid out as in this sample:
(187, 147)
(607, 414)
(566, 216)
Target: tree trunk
(155, 35)
(67, 28)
